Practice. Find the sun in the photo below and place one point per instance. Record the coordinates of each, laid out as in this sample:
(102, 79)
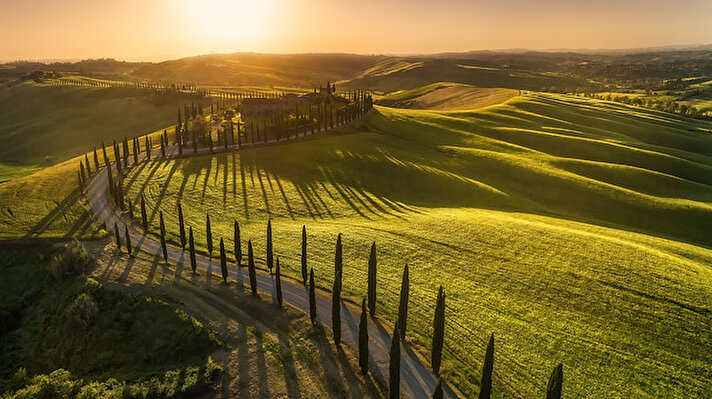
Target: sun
(229, 19)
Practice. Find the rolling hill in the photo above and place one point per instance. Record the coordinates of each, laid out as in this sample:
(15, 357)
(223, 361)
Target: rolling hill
(40, 121)
(576, 230)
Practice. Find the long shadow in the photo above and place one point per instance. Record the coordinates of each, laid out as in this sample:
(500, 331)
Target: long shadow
(154, 167)
(234, 174)
(312, 189)
(244, 189)
(58, 211)
(262, 187)
(290, 372)
(154, 265)
(205, 179)
(284, 196)
(162, 195)
(261, 365)
(307, 203)
(333, 381)
(243, 362)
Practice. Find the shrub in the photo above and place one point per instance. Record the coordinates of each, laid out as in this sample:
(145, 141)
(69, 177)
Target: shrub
(82, 312)
(74, 260)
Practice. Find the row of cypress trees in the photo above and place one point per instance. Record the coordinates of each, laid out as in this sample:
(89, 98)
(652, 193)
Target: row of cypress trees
(555, 382)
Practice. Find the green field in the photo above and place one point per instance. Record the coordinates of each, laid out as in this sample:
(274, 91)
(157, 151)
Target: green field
(60, 122)
(443, 96)
(576, 230)
(392, 75)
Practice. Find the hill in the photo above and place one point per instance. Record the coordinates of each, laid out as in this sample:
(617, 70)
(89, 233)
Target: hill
(576, 230)
(249, 69)
(40, 121)
(446, 97)
(413, 73)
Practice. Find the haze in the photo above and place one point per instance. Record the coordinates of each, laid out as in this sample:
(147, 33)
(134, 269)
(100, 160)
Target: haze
(155, 29)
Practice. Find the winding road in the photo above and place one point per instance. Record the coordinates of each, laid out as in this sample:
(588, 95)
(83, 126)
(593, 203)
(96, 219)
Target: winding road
(417, 380)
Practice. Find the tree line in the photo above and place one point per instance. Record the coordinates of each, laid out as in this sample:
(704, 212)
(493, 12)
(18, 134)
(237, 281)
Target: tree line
(122, 161)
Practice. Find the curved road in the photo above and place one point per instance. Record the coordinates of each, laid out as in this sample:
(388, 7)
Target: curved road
(417, 380)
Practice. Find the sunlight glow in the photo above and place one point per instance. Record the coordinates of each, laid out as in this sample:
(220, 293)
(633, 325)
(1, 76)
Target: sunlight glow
(229, 19)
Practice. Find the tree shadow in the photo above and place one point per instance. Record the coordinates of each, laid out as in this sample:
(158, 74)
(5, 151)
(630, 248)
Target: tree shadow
(290, 373)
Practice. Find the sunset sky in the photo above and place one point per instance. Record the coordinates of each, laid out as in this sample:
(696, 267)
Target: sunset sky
(159, 29)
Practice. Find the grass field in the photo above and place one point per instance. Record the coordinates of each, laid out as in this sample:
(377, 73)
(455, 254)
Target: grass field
(444, 96)
(393, 75)
(60, 122)
(576, 230)
(47, 203)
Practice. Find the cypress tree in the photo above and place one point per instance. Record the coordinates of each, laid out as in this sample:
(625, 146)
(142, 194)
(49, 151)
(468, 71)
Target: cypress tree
(118, 237)
(191, 243)
(148, 148)
(269, 246)
(304, 254)
(486, 383)
(111, 178)
(209, 234)
(178, 139)
(135, 150)
(86, 161)
(163, 147)
(403, 306)
(336, 309)
(363, 340)
(372, 280)
(117, 157)
(312, 297)
(81, 182)
(103, 150)
(128, 240)
(394, 365)
(278, 283)
(238, 246)
(163, 238)
(556, 381)
(96, 160)
(438, 332)
(82, 172)
(338, 261)
(165, 138)
(144, 218)
(438, 391)
(223, 261)
(126, 152)
(251, 268)
(181, 225)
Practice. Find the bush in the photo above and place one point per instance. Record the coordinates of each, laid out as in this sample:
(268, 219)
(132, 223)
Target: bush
(74, 260)
(82, 312)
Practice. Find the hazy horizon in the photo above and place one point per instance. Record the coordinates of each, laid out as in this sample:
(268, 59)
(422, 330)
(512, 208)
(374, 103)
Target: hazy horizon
(161, 29)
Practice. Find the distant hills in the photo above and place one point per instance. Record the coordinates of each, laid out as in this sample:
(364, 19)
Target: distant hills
(535, 70)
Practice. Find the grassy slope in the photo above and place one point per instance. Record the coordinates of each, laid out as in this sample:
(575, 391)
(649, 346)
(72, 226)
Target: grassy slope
(446, 97)
(47, 203)
(131, 338)
(306, 70)
(396, 77)
(466, 199)
(63, 121)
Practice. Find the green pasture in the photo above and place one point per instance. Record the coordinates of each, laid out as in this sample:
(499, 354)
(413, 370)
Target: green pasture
(576, 230)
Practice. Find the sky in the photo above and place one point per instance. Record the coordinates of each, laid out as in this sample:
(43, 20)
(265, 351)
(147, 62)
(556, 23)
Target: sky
(161, 29)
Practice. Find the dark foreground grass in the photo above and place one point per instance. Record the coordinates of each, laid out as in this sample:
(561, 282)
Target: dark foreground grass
(575, 230)
(94, 333)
